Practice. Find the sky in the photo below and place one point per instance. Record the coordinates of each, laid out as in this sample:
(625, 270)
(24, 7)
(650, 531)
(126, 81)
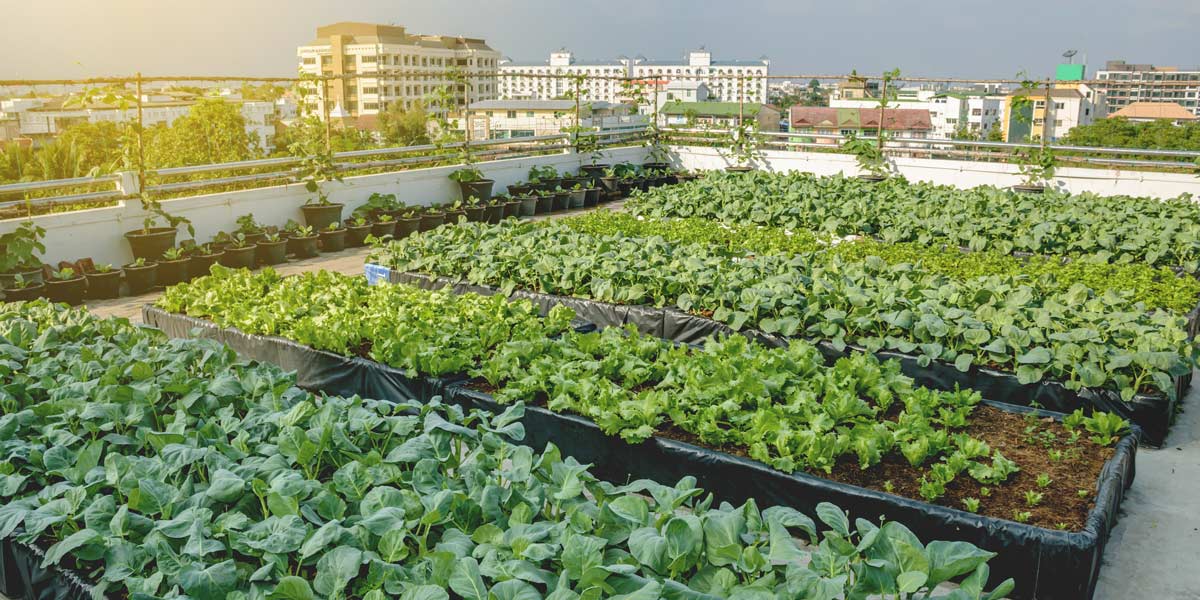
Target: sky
(45, 39)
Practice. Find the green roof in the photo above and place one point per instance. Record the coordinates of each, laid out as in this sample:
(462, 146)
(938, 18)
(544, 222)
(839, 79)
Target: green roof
(710, 109)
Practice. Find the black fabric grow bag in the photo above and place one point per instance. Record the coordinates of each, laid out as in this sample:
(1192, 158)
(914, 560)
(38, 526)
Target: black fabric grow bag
(1153, 414)
(23, 578)
(1046, 564)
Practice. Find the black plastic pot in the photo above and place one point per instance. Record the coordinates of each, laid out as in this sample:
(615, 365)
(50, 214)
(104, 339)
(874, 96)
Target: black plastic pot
(171, 272)
(30, 277)
(655, 166)
(70, 291)
(254, 238)
(150, 244)
(333, 241)
(591, 197)
(512, 208)
(272, 253)
(407, 226)
(201, 264)
(476, 214)
(319, 216)
(29, 292)
(576, 198)
(481, 190)
(452, 216)
(431, 221)
(528, 206)
(594, 172)
(545, 204)
(240, 258)
(686, 177)
(141, 279)
(561, 200)
(356, 235)
(625, 187)
(872, 178)
(519, 189)
(495, 213)
(739, 169)
(611, 185)
(380, 229)
(305, 247)
(103, 286)
(1029, 189)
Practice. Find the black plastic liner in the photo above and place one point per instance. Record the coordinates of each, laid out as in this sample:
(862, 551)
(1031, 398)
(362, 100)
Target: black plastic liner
(1152, 413)
(23, 578)
(1046, 564)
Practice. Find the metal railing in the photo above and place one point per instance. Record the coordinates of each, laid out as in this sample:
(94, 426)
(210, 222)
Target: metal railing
(281, 169)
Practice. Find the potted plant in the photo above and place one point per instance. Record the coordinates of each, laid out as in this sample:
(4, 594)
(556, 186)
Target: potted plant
(203, 258)
(545, 201)
(240, 253)
(562, 199)
(519, 189)
(103, 282)
(432, 218)
(471, 182)
(376, 205)
(18, 249)
(741, 147)
(357, 230)
(66, 285)
(272, 250)
(1037, 166)
(609, 182)
(319, 212)
(141, 276)
(456, 210)
(527, 205)
(150, 242)
(408, 221)
(591, 197)
(384, 226)
(495, 210)
(577, 196)
(253, 231)
(512, 206)
(174, 267)
(545, 178)
(629, 181)
(20, 289)
(304, 241)
(872, 162)
(333, 238)
(221, 241)
(317, 167)
(476, 210)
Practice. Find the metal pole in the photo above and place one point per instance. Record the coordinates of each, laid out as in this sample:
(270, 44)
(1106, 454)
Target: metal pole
(466, 81)
(578, 123)
(1046, 116)
(741, 99)
(882, 111)
(140, 141)
(325, 113)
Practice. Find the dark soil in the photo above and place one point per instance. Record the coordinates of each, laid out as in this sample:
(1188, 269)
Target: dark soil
(1021, 439)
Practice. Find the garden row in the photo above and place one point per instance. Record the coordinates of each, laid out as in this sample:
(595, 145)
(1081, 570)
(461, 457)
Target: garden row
(1078, 348)
(172, 469)
(1157, 288)
(1118, 229)
(831, 430)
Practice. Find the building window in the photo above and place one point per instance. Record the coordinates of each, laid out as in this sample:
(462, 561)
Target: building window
(368, 59)
(310, 60)
(1059, 106)
(370, 90)
(529, 114)
(512, 114)
(370, 106)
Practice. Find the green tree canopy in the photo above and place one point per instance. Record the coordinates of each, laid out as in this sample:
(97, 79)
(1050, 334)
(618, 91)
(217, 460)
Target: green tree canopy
(402, 126)
(1121, 133)
(214, 131)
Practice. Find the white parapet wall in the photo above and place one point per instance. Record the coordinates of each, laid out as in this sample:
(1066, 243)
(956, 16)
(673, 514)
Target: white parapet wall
(958, 173)
(99, 233)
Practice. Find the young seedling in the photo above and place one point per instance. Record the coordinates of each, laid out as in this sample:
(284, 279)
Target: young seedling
(1083, 493)
(971, 504)
(1060, 526)
(1055, 455)
(1022, 516)
(1044, 481)
(985, 492)
(1033, 498)
(888, 487)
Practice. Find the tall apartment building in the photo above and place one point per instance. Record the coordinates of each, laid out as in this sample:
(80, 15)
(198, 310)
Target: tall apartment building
(726, 80)
(392, 66)
(1123, 84)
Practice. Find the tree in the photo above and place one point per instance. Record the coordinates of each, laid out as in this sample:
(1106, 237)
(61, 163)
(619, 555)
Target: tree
(214, 131)
(99, 144)
(1119, 132)
(402, 126)
(996, 133)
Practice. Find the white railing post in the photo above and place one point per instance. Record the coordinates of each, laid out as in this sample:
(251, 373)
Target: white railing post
(128, 183)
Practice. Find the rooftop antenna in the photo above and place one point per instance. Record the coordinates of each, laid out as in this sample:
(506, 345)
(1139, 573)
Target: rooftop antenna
(1070, 56)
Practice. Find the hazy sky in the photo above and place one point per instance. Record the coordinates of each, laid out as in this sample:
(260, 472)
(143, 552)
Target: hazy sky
(970, 38)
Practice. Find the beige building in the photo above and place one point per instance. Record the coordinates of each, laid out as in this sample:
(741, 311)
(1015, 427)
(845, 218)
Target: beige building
(392, 66)
(1144, 112)
(513, 119)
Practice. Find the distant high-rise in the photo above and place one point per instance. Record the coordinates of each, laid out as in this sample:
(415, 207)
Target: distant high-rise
(394, 66)
(1124, 84)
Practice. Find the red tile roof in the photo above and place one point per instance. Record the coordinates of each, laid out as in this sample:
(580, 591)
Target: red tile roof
(894, 119)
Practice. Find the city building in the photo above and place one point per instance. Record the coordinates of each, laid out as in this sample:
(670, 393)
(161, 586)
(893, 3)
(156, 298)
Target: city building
(1052, 114)
(951, 112)
(899, 123)
(727, 80)
(393, 65)
(719, 114)
(1123, 84)
(1144, 112)
(510, 119)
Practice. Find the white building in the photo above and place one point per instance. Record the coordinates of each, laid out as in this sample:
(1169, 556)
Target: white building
(393, 66)
(950, 111)
(1124, 84)
(1070, 105)
(513, 119)
(724, 79)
